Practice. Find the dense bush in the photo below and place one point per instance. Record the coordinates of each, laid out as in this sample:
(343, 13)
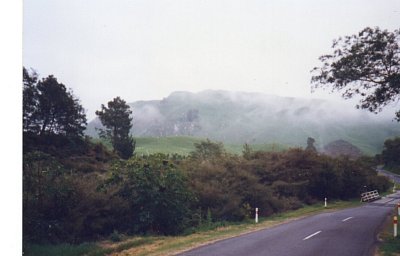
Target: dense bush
(95, 195)
(156, 191)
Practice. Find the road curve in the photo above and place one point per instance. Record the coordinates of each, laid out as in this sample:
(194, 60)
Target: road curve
(349, 232)
(390, 175)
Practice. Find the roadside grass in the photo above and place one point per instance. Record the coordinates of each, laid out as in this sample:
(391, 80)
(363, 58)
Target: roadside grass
(60, 249)
(388, 245)
(87, 249)
(171, 245)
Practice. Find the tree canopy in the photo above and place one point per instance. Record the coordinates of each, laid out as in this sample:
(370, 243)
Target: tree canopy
(365, 64)
(310, 144)
(391, 153)
(49, 108)
(117, 120)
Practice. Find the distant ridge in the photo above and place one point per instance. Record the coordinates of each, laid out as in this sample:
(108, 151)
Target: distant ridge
(256, 118)
(342, 148)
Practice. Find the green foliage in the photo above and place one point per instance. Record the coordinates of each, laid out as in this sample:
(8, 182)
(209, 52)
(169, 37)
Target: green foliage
(157, 192)
(49, 108)
(117, 121)
(171, 194)
(209, 217)
(247, 151)
(29, 98)
(391, 152)
(115, 236)
(207, 149)
(62, 205)
(391, 246)
(47, 196)
(60, 249)
(310, 144)
(366, 64)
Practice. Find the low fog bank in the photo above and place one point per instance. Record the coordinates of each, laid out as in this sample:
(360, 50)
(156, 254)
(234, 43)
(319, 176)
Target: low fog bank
(255, 118)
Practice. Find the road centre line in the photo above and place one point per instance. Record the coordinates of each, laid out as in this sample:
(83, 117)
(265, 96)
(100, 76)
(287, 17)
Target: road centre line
(347, 219)
(308, 237)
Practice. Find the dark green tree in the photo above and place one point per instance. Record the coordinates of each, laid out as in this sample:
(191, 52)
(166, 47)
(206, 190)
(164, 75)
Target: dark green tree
(391, 153)
(49, 108)
(207, 150)
(310, 144)
(29, 101)
(247, 151)
(117, 120)
(366, 64)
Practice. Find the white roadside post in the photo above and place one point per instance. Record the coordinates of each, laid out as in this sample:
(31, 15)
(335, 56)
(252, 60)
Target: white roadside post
(326, 202)
(398, 209)
(395, 226)
(256, 215)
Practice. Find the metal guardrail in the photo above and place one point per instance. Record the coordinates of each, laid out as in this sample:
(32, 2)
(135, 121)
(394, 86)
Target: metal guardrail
(370, 196)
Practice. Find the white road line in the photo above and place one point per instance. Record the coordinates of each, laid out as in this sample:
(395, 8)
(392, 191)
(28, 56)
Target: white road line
(347, 219)
(308, 237)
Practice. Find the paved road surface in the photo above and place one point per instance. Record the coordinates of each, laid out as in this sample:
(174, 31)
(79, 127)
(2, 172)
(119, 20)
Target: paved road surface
(390, 175)
(349, 232)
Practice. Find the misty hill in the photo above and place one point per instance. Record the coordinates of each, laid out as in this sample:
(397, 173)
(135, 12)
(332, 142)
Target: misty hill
(341, 147)
(239, 117)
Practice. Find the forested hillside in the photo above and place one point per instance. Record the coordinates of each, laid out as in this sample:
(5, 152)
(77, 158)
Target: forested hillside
(238, 118)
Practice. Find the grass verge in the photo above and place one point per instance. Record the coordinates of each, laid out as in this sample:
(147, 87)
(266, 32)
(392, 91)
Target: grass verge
(171, 245)
(388, 245)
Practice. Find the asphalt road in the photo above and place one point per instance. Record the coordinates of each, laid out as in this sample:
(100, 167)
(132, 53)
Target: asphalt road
(390, 175)
(349, 232)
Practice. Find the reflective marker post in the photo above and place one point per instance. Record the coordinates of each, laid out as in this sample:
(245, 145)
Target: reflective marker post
(395, 226)
(325, 202)
(256, 215)
(398, 208)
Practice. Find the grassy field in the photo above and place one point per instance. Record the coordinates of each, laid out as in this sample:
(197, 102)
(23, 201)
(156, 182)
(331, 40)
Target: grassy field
(183, 145)
(170, 245)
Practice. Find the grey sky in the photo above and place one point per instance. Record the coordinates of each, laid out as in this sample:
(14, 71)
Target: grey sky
(146, 49)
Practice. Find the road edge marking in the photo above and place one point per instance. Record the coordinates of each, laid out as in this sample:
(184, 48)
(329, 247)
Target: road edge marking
(347, 219)
(308, 237)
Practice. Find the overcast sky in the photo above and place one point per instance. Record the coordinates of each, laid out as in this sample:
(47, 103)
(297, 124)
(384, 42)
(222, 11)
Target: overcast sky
(146, 49)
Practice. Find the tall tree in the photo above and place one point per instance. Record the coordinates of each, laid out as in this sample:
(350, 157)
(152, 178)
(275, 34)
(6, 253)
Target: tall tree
(310, 144)
(49, 108)
(391, 153)
(29, 100)
(117, 120)
(207, 150)
(366, 64)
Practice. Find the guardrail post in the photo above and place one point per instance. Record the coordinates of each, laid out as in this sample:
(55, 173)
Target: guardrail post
(395, 226)
(256, 219)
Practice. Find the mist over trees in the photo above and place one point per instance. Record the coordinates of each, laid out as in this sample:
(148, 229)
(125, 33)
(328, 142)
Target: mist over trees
(366, 64)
